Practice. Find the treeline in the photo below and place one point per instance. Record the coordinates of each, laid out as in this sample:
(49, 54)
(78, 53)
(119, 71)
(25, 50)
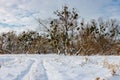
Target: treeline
(67, 34)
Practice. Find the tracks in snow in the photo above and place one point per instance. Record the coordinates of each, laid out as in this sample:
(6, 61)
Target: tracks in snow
(52, 73)
(24, 72)
(34, 71)
(40, 69)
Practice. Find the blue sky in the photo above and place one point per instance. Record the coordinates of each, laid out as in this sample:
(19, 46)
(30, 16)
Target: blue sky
(19, 15)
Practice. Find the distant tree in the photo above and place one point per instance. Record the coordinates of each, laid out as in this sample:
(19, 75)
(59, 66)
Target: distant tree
(61, 31)
(67, 23)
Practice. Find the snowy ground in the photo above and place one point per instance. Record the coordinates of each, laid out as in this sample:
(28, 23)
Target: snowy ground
(54, 67)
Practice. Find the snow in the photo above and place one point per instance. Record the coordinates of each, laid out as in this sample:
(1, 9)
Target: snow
(58, 67)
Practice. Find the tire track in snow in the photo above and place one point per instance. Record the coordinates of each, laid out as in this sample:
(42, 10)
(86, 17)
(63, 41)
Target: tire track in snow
(40, 71)
(52, 72)
(43, 74)
(37, 71)
(29, 75)
(23, 73)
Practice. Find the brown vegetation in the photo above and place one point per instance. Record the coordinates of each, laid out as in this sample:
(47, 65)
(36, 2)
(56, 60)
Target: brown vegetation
(67, 35)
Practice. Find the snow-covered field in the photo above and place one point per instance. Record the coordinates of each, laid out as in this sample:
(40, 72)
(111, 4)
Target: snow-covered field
(54, 67)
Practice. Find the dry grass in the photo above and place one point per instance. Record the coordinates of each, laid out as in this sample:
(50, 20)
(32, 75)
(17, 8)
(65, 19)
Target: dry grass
(98, 78)
(114, 68)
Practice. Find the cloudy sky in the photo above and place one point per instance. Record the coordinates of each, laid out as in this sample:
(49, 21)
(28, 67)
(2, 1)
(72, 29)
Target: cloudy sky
(19, 15)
